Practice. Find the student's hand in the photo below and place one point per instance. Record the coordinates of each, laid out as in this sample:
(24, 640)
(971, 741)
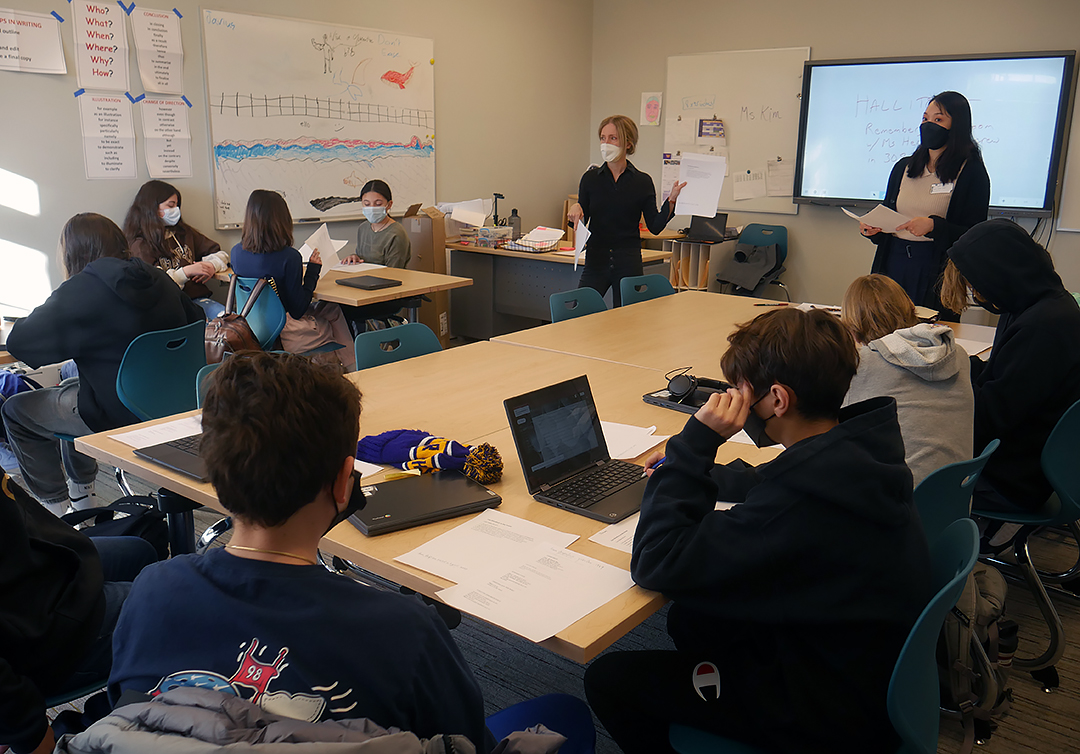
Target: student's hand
(352, 259)
(675, 191)
(725, 413)
(917, 226)
(47, 744)
(869, 230)
(200, 272)
(575, 214)
(652, 462)
(315, 258)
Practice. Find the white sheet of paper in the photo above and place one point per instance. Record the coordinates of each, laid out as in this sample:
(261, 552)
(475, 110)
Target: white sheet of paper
(476, 546)
(581, 236)
(626, 442)
(108, 131)
(471, 212)
(548, 589)
(361, 267)
(704, 177)
(779, 177)
(329, 249)
(741, 437)
(542, 233)
(31, 43)
(159, 433)
(159, 50)
(366, 469)
(880, 217)
(620, 536)
(750, 184)
(973, 347)
(101, 46)
(669, 175)
(166, 137)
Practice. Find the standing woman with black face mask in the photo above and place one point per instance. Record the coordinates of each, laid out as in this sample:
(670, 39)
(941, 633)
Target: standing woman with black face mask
(945, 190)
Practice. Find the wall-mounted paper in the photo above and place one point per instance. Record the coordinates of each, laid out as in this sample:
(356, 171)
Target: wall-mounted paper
(166, 137)
(30, 42)
(101, 46)
(159, 50)
(750, 184)
(779, 177)
(108, 136)
(651, 105)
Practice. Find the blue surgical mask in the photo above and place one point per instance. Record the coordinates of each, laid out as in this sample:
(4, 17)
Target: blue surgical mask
(375, 214)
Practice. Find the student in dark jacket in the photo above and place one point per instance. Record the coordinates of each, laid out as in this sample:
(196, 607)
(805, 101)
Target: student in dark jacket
(106, 302)
(790, 609)
(1033, 374)
(62, 596)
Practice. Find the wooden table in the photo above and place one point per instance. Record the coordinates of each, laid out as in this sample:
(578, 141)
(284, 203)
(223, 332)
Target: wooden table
(413, 283)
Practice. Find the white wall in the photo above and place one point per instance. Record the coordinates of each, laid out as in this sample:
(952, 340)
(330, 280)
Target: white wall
(633, 38)
(512, 94)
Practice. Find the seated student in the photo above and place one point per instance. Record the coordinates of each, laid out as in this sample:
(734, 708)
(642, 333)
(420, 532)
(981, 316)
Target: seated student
(265, 251)
(106, 302)
(273, 626)
(789, 609)
(920, 365)
(62, 595)
(159, 236)
(1033, 374)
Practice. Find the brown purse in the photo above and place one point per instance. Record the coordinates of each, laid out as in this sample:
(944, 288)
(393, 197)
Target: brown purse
(230, 333)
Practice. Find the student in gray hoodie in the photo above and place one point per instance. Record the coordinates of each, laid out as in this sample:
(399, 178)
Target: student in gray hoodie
(918, 364)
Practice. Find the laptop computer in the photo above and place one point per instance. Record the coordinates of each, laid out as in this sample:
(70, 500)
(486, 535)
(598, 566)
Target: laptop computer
(564, 456)
(368, 282)
(708, 229)
(180, 455)
(416, 500)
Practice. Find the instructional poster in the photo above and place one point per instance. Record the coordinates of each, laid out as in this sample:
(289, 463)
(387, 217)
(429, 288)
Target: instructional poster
(166, 137)
(159, 50)
(108, 136)
(30, 43)
(101, 48)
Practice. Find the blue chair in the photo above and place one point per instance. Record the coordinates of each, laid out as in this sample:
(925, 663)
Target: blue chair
(757, 234)
(913, 695)
(945, 495)
(644, 287)
(575, 303)
(380, 347)
(266, 318)
(158, 370)
(201, 383)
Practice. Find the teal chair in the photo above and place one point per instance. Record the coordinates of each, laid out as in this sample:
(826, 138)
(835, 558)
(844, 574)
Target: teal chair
(380, 347)
(202, 382)
(575, 303)
(758, 234)
(644, 287)
(913, 695)
(266, 318)
(945, 495)
(158, 370)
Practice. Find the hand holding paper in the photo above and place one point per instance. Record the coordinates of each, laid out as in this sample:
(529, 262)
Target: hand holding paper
(879, 217)
(704, 178)
(329, 249)
(581, 236)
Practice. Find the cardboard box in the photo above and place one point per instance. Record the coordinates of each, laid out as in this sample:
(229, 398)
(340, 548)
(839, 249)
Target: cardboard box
(427, 234)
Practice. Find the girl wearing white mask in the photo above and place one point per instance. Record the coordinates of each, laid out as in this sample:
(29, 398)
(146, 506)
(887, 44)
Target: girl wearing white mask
(612, 198)
(157, 234)
(381, 240)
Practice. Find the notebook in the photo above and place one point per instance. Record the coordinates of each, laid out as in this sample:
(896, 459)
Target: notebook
(180, 455)
(368, 282)
(708, 229)
(416, 500)
(564, 456)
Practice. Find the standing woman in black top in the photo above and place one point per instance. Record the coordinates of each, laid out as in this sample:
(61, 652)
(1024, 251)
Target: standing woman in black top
(945, 190)
(612, 198)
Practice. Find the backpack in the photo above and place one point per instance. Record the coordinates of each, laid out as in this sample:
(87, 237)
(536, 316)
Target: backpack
(133, 516)
(975, 655)
(231, 333)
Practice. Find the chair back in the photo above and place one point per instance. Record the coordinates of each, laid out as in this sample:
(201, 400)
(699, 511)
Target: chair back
(914, 696)
(1059, 464)
(202, 381)
(158, 369)
(945, 495)
(643, 288)
(757, 234)
(575, 303)
(394, 344)
(267, 316)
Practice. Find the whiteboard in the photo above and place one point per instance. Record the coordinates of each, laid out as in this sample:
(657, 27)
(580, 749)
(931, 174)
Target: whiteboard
(756, 95)
(1069, 212)
(315, 110)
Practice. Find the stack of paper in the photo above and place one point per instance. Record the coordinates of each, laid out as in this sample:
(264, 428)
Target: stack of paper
(620, 536)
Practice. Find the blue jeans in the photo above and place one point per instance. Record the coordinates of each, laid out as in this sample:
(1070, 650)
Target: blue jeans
(32, 419)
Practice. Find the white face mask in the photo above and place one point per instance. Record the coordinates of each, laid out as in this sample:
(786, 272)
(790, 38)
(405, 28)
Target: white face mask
(171, 216)
(375, 214)
(610, 152)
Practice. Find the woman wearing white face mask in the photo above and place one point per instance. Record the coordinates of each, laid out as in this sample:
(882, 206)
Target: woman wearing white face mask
(612, 198)
(157, 235)
(381, 240)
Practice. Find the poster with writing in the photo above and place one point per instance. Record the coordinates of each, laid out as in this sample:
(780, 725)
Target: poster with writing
(159, 50)
(166, 137)
(30, 43)
(101, 47)
(108, 136)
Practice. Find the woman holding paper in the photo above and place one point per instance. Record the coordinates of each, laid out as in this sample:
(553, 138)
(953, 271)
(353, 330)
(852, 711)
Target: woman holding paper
(945, 190)
(612, 198)
(266, 251)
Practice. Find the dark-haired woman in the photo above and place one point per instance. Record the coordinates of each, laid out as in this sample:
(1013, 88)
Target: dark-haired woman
(158, 235)
(945, 190)
(266, 251)
(106, 302)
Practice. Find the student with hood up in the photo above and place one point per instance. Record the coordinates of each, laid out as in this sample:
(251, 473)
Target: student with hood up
(1033, 374)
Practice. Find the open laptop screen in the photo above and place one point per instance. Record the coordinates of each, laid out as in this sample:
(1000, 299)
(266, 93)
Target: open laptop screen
(708, 229)
(557, 431)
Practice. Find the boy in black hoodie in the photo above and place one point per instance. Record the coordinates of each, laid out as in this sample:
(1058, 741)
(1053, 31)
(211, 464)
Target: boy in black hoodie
(789, 609)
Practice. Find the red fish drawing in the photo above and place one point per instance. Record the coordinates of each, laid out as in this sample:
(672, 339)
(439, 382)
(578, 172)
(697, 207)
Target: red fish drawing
(396, 77)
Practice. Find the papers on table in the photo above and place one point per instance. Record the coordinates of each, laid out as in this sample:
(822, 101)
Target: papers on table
(159, 433)
(879, 217)
(473, 547)
(973, 347)
(626, 441)
(541, 592)
(704, 177)
(620, 536)
(581, 236)
(329, 249)
(363, 468)
(358, 267)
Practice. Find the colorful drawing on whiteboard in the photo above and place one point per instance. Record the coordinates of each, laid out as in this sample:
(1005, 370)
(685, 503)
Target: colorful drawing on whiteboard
(401, 79)
(321, 150)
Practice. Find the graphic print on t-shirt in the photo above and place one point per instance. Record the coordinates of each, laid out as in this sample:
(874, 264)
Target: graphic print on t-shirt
(252, 680)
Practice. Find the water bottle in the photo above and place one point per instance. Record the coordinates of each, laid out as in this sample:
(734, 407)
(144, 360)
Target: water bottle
(514, 221)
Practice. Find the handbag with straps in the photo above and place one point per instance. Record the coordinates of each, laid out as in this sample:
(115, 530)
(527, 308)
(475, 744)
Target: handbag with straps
(230, 332)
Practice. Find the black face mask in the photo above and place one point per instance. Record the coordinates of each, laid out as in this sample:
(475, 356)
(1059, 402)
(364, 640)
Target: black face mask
(357, 501)
(755, 426)
(932, 135)
(988, 306)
